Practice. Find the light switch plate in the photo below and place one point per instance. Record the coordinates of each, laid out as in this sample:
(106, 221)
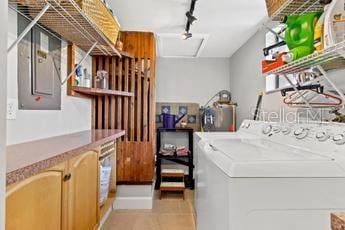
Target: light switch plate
(12, 106)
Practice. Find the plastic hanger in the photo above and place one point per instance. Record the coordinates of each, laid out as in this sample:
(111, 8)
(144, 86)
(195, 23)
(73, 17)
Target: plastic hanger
(293, 99)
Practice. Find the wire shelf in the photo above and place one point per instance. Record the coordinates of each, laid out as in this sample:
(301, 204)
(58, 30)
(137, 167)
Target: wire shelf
(296, 7)
(65, 19)
(329, 59)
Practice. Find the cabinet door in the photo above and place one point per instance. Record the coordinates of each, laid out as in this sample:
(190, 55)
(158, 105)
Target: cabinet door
(83, 192)
(36, 203)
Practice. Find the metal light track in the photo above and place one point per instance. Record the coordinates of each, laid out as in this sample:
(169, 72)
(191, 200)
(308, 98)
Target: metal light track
(67, 20)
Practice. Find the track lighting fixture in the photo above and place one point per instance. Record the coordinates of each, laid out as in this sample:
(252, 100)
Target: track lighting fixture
(191, 17)
(186, 35)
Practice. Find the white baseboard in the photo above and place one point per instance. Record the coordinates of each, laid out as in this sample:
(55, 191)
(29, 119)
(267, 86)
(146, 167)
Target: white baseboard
(134, 197)
(133, 203)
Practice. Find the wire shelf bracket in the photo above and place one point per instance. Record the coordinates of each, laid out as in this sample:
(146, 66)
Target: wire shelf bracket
(324, 76)
(29, 27)
(67, 21)
(79, 64)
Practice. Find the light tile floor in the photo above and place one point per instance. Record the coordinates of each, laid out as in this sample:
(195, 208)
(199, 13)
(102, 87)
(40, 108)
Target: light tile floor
(169, 213)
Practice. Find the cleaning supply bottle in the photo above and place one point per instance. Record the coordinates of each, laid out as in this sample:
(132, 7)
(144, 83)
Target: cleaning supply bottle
(299, 35)
(334, 27)
(319, 28)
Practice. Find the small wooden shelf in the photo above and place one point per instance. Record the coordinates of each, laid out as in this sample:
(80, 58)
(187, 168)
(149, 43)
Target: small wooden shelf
(101, 92)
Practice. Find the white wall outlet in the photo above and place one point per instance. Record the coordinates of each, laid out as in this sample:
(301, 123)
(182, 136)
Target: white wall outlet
(12, 106)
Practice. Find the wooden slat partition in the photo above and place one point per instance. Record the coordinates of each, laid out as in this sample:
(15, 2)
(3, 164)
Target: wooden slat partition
(134, 73)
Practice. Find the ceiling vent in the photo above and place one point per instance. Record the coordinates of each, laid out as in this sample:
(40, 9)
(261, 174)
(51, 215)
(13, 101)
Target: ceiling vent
(173, 46)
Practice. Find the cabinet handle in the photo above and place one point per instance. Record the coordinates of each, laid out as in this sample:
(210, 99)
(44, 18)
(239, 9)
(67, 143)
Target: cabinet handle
(67, 177)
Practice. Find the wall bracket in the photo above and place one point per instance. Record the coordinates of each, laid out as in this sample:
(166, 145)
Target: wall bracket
(29, 27)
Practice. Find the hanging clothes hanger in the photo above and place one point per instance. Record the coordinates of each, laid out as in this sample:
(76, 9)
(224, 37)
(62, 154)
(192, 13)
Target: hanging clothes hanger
(329, 100)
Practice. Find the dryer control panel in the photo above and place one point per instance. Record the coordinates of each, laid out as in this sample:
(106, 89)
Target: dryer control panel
(323, 137)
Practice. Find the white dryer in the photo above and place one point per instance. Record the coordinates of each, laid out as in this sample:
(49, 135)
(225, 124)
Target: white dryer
(290, 177)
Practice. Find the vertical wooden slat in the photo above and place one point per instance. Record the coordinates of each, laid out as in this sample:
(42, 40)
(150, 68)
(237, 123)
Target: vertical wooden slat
(131, 123)
(93, 103)
(138, 109)
(112, 86)
(99, 100)
(152, 102)
(125, 103)
(117, 60)
(119, 99)
(145, 109)
(70, 66)
(106, 98)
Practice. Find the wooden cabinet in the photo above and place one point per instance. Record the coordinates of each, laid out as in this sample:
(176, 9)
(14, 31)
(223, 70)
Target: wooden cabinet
(65, 197)
(38, 202)
(83, 192)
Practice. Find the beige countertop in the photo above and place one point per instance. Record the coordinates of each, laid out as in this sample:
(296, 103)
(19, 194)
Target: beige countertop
(27, 159)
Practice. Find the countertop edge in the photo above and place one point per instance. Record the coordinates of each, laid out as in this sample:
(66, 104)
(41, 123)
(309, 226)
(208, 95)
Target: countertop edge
(38, 167)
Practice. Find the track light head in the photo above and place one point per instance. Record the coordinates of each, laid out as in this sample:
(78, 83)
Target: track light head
(191, 17)
(186, 35)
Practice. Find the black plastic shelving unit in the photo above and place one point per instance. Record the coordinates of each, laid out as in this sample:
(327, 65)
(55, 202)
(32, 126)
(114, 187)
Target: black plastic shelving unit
(182, 160)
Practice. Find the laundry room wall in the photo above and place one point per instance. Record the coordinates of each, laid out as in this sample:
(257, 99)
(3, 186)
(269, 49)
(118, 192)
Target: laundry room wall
(189, 80)
(193, 80)
(246, 81)
(75, 113)
(3, 86)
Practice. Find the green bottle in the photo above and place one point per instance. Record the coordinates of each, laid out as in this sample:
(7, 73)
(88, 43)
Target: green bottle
(299, 35)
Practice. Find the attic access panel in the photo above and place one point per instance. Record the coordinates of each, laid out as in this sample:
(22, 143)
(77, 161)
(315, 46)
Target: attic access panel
(39, 69)
(172, 45)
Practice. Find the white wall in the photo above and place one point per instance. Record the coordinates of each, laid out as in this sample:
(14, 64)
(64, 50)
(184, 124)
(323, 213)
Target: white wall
(3, 79)
(75, 113)
(191, 80)
(245, 74)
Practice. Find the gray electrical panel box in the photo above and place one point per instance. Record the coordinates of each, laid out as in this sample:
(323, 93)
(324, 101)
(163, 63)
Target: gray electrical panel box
(39, 69)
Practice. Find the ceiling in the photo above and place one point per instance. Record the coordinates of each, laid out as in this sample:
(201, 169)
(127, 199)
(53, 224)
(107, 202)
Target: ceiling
(227, 24)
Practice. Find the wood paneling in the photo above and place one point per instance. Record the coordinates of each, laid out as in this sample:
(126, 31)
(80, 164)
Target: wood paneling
(134, 73)
(135, 162)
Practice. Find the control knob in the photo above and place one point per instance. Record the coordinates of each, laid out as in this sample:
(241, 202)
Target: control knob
(339, 139)
(286, 130)
(245, 125)
(301, 133)
(267, 129)
(277, 129)
(322, 136)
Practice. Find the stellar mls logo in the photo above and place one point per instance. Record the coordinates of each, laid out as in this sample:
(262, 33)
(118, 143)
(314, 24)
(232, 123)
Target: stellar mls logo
(284, 115)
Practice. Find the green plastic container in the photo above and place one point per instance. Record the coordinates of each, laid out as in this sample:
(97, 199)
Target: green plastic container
(299, 35)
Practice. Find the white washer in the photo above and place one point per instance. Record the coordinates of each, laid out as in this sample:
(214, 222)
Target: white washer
(210, 137)
(290, 177)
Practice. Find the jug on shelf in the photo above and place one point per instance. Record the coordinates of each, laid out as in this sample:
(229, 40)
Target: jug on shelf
(299, 35)
(170, 121)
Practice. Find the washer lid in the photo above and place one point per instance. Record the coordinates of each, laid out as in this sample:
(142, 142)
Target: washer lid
(264, 150)
(261, 158)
